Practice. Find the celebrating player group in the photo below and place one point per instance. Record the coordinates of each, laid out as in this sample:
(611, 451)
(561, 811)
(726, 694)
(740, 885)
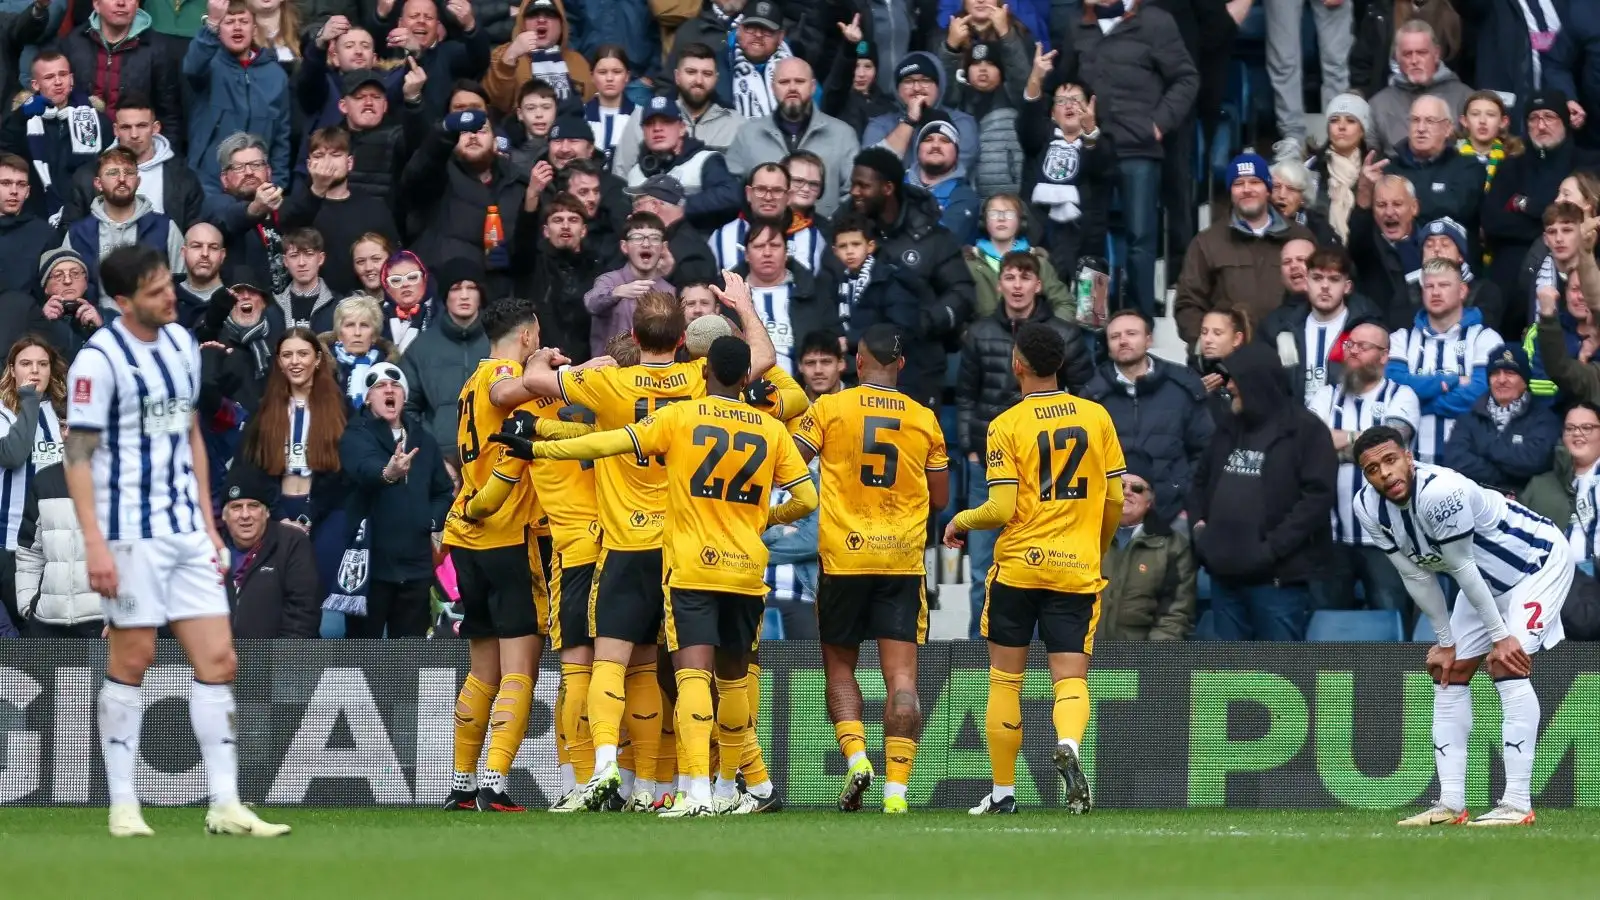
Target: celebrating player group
(617, 509)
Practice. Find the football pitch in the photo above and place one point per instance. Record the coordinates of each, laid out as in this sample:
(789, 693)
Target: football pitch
(388, 854)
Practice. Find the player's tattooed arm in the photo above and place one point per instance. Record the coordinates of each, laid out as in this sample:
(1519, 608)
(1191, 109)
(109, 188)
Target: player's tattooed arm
(81, 446)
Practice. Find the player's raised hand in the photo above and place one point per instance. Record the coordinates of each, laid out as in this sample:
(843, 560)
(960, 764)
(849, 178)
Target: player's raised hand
(1508, 656)
(102, 568)
(954, 539)
(735, 294)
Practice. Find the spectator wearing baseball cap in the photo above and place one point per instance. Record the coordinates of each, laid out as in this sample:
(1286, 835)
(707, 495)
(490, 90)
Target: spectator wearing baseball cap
(747, 70)
(400, 494)
(938, 170)
(920, 84)
(711, 193)
(1235, 262)
(1509, 437)
(996, 71)
(1526, 185)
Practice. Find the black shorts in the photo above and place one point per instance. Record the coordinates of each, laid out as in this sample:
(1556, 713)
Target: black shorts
(626, 600)
(500, 595)
(1066, 622)
(856, 608)
(712, 618)
(570, 588)
(546, 556)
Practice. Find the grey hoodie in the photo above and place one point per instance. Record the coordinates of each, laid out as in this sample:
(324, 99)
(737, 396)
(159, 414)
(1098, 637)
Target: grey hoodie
(1391, 107)
(879, 127)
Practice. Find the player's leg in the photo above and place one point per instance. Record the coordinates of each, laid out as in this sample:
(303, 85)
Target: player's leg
(1066, 626)
(691, 637)
(738, 618)
(614, 580)
(1007, 621)
(569, 636)
(667, 749)
(899, 620)
(198, 609)
(120, 714)
(841, 627)
(1533, 615)
(520, 613)
(753, 765)
(1452, 718)
(643, 716)
(476, 698)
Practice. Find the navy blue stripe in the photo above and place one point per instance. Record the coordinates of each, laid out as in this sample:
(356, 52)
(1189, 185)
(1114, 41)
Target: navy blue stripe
(191, 377)
(145, 473)
(1510, 559)
(172, 460)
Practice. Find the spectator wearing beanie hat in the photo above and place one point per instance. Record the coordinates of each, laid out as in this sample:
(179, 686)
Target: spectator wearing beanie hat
(1447, 238)
(854, 92)
(939, 169)
(70, 310)
(400, 494)
(1508, 438)
(272, 573)
(1234, 263)
(1152, 571)
(1336, 168)
(921, 83)
(996, 71)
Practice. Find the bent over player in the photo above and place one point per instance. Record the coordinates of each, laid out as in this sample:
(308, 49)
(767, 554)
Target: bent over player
(142, 497)
(1055, 485)
(1514, 571)
(723, 460)
(883, 466)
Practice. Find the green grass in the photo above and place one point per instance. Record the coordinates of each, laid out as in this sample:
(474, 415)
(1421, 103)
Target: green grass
(392, 854)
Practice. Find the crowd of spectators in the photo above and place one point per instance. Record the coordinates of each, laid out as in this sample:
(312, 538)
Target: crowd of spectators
(342, 186)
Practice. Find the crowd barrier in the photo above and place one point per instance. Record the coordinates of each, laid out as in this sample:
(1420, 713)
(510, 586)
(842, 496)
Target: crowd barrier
(1174, 725)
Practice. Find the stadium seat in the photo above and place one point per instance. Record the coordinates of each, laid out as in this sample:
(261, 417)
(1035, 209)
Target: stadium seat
(771, 625)
(1423, 633)
(1334, 625)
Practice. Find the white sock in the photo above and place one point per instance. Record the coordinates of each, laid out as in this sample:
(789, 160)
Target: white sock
(641, 784)
(494, 781)
(464, 781)
(1452, 723)
(627, 782)
(604, 755)
(569, 781)
(121, 718)
(1068, 742)
(893, 789)
(762, 790)
(1519, 732)
(211, 714)
(683, 784)
(700, 789)
(726, 787)
(1001, 792)
(857, 756)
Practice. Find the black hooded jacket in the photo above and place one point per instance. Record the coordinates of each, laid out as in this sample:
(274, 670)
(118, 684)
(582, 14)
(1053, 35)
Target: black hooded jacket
(1265, 486)
(928, 252)
(987, 387)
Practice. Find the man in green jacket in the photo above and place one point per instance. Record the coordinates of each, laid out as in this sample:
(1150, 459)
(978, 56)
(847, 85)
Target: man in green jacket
(1151, 596)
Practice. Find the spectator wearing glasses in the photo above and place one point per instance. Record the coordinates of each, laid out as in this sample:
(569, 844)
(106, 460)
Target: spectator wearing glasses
(692, 263)
(164, 176)
(1067, 173)
(1554, 493)
(808, 176)
(1358, 398)
(1151, 569)
(118, 216)
(1449, 185)
(1004, 225)
(611, 301)
(747, 73)
(1508, 437)
(767, 189)
(272, 572)
(70, 311)
(249, 209)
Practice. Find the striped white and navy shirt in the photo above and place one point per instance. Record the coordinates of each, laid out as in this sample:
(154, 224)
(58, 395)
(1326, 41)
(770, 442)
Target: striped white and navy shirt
(1509, 541)
(1385, 403)
(141, 398)
(1583, 532)
(1320, 339)
(1457, 352)
(45, 451)
(294, 460)
(806, 246)
(784, 579)
(772, 305)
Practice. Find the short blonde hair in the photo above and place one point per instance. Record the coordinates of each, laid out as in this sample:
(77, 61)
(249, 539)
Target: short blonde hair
(358, 306)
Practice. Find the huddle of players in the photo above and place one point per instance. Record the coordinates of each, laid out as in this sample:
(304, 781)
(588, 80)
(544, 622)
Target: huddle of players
(655, 481)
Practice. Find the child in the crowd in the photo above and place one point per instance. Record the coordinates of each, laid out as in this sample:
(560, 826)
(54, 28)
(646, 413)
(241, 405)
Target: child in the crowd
(525, 136)
(539, 49)
(874, 290)
(1485, 129)
(308, 302)
(610, 302)
(609, 109)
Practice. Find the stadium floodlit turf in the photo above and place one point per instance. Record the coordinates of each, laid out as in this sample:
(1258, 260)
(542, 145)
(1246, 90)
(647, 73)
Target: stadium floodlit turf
(392, 854)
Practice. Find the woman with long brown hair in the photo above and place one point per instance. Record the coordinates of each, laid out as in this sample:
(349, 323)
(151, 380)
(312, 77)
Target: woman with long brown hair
(52, 596)
(294, 439)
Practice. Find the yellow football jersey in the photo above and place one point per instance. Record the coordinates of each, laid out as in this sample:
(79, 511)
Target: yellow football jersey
(723, 460)
(479, 419)
(566, 492)
(877, 446)
(1061, 451)
(631, 493)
